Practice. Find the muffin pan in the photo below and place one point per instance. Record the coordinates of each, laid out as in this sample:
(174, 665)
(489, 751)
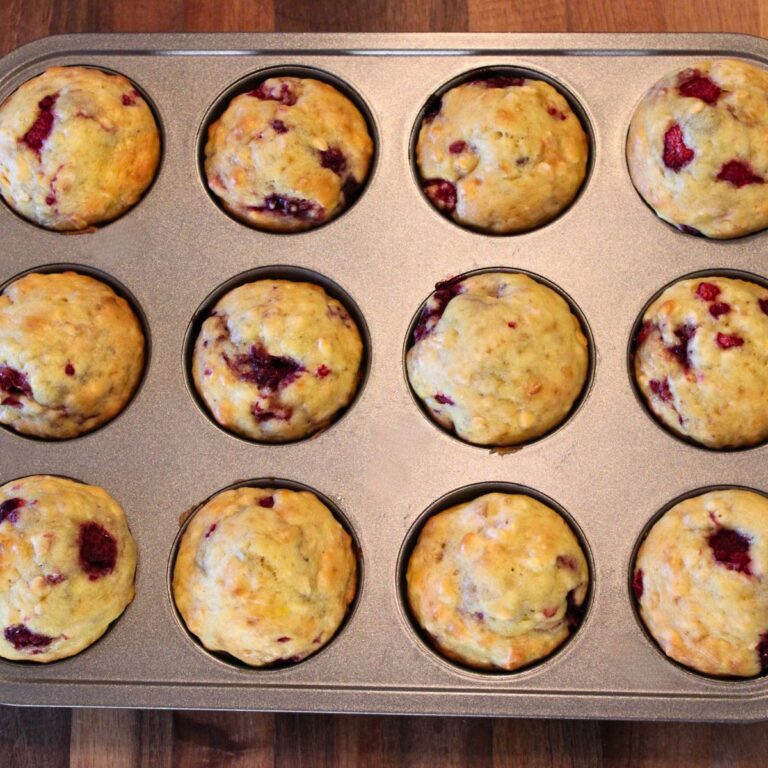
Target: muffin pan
(383, 464)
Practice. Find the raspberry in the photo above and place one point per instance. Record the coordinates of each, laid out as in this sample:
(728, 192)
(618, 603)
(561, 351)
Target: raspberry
(676, 154)
(98, 550)
(707, 291)
(719, 308)
(35, 137)
(681, 351)
(660, 389)
(14, 382)
(265, 370)
(444, 399)
(282, 205)
(739, 174)
(731, 549)
(724, 341)
(281, 93)
(556, 113)
(9, 509)
(21, 637)
(443, 294)
(637, 583)
(268, 502)
(333, 159)
(279, 126)
(699, 86)
(442, 193)
(457, 147)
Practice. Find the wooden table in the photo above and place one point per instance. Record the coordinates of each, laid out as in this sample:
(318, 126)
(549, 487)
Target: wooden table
(49, 738)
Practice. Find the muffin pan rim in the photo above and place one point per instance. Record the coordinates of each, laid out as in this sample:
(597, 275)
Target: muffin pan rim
(351, 677)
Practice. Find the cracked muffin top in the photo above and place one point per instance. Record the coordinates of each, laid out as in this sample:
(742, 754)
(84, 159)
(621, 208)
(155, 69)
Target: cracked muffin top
(497, 582)
(503, 154)
(289, 155)
(698, 148)
(265, 575)
(78, 147)
(71, 354)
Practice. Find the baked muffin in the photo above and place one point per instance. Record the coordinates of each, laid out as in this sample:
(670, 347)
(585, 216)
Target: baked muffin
(504, 154)
(277, 360)
(698, 148)
(71, 354)
(67, 562)
(265, 575)
(289, 155)
(78, 147)
(497, 582)
(701, 361)
(497, 357)
(699, 580)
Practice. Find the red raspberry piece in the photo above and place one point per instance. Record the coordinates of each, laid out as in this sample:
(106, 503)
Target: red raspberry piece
(637, 583)
(739, 174)
(333, 159)
(699, 86)
(35, 137)
(129, 99)
(731, 549)
(98, 550)
(282, 93)
(556, 113)
(681, 351)
(322, 371)
(457, 147)
(265, 370)
(442, 193)
(725, 341)
(719, 308)
(21, 637)
(268, 502)
(282, 205)
(676, 154)
(279, 126)
(444, 399)
(443, 294)
(660, 389)
(9, 509)
(708, 291)
(14, 382)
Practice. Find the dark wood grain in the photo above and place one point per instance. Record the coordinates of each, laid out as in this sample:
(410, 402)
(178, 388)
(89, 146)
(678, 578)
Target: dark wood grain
(33, 738)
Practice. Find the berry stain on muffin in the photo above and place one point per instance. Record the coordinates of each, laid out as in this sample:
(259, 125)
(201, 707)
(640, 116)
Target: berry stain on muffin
(9, 509)
(694, 84)
(98, 550)
(35, 137)
(739, 174)
(731, 549)
(22, 638)
(676, 154)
